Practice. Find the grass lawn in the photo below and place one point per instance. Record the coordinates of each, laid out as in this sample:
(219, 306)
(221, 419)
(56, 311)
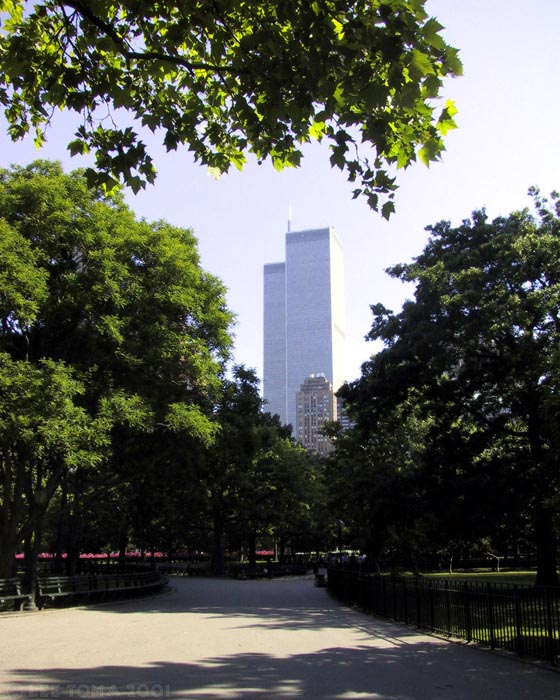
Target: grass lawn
(526, 578)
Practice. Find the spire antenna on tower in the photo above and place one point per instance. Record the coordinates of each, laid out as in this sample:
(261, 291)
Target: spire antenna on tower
(289, 218)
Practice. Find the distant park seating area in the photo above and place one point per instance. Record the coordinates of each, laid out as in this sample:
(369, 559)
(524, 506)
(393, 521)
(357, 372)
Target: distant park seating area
(92, 587)
(182, 568)
(51, 589)
(268, 570)
(238, 570)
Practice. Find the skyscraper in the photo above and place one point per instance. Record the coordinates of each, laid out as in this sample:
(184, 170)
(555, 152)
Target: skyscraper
(303, 318)
(274, 365)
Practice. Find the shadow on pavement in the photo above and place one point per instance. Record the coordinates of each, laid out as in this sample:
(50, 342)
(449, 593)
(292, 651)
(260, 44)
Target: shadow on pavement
(403, 673)
(381, 662)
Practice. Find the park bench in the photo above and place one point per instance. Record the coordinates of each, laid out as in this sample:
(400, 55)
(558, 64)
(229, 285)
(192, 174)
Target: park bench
(11, 594)
(53, 588)
(56, 587)
(141, 580)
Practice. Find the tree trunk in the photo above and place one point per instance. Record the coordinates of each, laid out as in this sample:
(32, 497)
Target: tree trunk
(282, 551)
(123, 543)
(61, 529)
(218, 548)
(73, 546)
(32, 549)
(8, 559)
(545, 536)
(12, 512)
(252, 550)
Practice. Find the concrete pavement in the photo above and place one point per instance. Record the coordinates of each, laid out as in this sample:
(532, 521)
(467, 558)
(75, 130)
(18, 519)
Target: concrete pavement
(253, 640)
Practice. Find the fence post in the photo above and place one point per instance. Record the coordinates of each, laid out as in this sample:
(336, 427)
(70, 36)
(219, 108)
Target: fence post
(432, 608)
(491, 626)
(418, 604)
(519, 643)
(405, 600)
(549, 627)
(468, 614)
(448, 608)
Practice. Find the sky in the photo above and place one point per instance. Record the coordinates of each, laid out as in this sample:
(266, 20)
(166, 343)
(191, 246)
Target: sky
(507, 141)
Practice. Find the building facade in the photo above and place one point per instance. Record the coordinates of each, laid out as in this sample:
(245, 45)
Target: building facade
(304, 327)
(274, 364)
(315, 404)
(341, 415)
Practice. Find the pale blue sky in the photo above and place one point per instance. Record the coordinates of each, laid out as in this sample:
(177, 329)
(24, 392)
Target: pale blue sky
(507, 140)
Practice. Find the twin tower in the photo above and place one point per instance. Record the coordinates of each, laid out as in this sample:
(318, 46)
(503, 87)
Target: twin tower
(304, 336)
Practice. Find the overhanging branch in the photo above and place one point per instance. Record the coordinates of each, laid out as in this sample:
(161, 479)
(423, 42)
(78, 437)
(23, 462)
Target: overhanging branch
(122, 47)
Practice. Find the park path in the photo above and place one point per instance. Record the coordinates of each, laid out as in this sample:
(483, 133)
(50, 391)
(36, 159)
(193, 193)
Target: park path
(281, 639)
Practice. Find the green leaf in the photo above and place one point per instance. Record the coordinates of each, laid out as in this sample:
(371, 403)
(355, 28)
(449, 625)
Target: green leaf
(387, 209)
(431, 34)
(78, 147)
(446, 122)
(430, 151)
(317, 130)
(420, 65)
(182, 417)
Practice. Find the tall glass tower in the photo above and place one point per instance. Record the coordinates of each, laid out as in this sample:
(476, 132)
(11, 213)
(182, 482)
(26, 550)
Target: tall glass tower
(303, 318)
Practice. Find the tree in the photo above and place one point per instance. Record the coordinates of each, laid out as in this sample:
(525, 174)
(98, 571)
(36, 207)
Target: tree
(110, 319)
(276, 490)
(227, 78)
(44, 434)
(259, 484)
(374, 484)
(479, 346)
(226, 464)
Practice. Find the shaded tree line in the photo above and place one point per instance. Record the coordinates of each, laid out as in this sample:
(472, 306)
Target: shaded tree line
(456, 442)
(122, 422)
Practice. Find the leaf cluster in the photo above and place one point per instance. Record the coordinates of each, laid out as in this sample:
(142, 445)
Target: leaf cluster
(233, 77)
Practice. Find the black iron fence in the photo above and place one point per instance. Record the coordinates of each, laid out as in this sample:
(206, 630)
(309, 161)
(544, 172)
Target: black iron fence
(520, 619)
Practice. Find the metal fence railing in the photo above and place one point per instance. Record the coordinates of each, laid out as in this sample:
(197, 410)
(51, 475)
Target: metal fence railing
(520, 619)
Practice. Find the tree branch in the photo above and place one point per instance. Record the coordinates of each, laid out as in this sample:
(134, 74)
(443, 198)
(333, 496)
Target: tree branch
(123, 48)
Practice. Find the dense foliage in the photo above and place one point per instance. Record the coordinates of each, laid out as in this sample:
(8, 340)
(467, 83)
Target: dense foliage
(456, 439)
(259, 485)
(119, 423)
(231, 77)
(107, 324)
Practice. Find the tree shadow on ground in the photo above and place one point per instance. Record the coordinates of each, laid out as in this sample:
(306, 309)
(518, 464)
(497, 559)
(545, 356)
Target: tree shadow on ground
(384, 662)
(293, 605)
(415, 671)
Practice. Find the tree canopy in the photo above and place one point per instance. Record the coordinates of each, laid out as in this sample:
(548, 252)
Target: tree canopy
(232, 77)
(106, 323)
(258, 482)
(474, 357)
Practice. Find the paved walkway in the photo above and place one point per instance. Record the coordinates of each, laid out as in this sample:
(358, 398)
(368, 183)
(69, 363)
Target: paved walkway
(257, 640)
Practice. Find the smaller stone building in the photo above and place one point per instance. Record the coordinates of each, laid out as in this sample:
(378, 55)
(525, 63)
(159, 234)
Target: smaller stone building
(315, 404)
